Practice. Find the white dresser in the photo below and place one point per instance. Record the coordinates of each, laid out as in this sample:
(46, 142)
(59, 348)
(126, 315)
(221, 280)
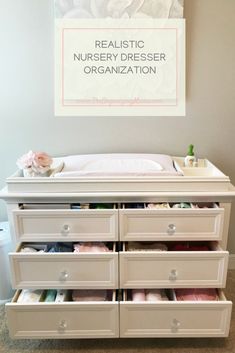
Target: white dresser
(39, 211)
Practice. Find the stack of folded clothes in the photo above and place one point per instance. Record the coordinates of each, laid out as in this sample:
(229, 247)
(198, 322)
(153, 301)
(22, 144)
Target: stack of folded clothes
(149, 295)
(189, 246)
(30, 296)
(59, 247)
(196, 294)
(146, 246)
(157, 205)
(182, 205)
(203, 205)
(34, 248)
(83, 295)
(90, 247)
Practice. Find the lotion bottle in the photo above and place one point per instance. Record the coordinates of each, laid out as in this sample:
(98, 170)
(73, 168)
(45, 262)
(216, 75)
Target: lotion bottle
(190, 158)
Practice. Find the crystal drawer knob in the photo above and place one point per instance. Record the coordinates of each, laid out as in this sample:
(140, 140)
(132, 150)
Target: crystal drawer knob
(173, 275)
(175, 325)
(62, 325)
(65, 229)
(171, 229)
(64, 275)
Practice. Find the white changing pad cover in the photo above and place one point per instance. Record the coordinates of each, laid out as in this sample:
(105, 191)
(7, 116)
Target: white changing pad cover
(117, 165)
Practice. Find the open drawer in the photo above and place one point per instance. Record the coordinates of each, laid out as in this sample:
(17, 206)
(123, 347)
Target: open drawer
(169, 269)
(63, 320)
(171, 224)
(64, 270)
(67, 225)
(175, 318)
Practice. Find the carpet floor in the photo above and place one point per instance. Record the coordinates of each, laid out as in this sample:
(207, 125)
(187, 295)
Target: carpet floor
(148, 345)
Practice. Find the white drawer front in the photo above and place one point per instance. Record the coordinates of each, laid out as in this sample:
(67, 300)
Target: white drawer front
(173, 269)
(66, 225)
(64, 320)
(175, 319)
(59, 270)
(171, 224)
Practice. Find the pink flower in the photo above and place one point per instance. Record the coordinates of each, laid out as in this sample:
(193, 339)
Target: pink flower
(41, 159)
(26, 161)
(35, 162)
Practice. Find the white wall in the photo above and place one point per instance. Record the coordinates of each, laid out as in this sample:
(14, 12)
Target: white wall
(26, 91)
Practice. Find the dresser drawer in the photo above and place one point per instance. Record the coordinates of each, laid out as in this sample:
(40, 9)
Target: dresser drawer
(169, 269)
(63, 320)
(175, 319)
(66, 225)
(64, 270)
(171, 224)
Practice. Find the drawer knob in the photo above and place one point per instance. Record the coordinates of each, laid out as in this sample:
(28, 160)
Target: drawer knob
(171, 229)
(62, 325)
(173, 275)
(64, 275)
(65, 229)
(175, 325)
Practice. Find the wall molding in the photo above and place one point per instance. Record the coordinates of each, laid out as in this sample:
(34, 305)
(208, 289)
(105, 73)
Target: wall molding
(231, 264)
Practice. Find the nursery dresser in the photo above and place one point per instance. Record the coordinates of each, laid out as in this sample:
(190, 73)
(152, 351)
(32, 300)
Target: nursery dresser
(39, 211)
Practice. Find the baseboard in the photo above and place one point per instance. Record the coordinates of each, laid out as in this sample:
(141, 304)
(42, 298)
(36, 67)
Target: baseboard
(231, 264)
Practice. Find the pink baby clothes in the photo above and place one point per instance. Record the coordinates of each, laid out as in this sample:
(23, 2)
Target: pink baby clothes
(138, 295)
(90, 247)
(196, 294)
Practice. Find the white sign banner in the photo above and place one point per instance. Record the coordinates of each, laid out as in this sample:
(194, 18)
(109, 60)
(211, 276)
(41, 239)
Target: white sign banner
(119, 67)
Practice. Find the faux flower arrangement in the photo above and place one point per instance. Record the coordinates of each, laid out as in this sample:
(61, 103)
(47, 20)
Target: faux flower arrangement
(35, 164)
(119, 8)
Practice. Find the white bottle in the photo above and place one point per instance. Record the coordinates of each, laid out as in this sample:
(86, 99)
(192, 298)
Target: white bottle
(189, 160)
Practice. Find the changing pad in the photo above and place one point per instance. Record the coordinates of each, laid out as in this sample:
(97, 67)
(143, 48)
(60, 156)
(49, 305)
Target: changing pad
(117, 164)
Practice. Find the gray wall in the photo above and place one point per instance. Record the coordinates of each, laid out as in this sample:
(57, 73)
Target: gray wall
(26, 108)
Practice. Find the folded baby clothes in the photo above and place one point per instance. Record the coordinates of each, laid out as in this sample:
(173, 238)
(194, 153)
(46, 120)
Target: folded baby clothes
(138, 295)
(203, 205)
(59, 247)
(30, 296)
(196, 294)
(150, 295)
(50, 295)
(158, 205)
(90, 247)
(149, 246)
(182, 205)
(187, 246)
(153, 295)
(82, 295)
(28, 249)
(33, 248)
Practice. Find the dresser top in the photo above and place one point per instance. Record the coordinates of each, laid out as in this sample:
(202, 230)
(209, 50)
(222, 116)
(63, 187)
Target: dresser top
(205, 181)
